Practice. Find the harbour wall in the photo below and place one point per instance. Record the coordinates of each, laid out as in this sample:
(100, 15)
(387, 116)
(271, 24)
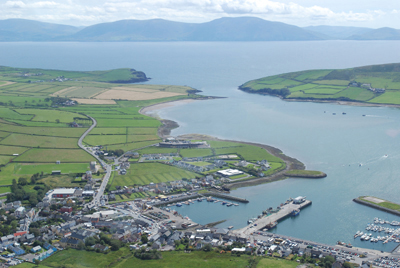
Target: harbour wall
(392, 211)
(228, 197)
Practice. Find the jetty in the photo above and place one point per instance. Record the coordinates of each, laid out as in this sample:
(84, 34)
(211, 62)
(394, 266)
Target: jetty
(379, 203)
(284, 212)
(227, 197)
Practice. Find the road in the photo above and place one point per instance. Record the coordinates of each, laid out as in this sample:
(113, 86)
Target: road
(108, 168)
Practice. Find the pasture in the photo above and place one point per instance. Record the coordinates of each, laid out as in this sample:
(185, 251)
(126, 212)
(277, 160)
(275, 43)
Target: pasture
(53, 155)
(43, 115)
(48, 168)
(25, 140)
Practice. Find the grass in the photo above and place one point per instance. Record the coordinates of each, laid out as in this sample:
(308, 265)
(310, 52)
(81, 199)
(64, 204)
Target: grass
(305, 173)
(48, 168)
(39, 141)
(52, 155)
(385, 204)
(196, 152)
(276, 263)
(333, 84)
(122, 258)
(4, 159)
(157, 150)
(49, 115)
(127, 123)
(145, 173)
(43, 131)
(5, 190)
(10, 150)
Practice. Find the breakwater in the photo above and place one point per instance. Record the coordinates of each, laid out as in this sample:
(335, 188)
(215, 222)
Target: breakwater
(376, 206)
(225, 196)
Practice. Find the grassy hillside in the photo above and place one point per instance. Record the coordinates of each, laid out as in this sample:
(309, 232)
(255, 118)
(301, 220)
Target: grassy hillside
(334, 85)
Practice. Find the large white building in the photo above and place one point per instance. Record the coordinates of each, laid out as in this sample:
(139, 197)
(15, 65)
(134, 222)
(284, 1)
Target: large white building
(230, 172)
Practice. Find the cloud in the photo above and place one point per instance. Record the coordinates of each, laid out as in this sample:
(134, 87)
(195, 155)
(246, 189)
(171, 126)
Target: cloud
(96, 11)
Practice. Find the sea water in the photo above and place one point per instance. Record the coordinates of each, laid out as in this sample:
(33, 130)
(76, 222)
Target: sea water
(336, 144)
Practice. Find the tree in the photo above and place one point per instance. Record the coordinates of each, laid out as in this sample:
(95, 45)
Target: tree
(57, 120)
(207, 247)
(90, 241)
(115, 244)
(22, 181)
(144, 239)
(81, 245)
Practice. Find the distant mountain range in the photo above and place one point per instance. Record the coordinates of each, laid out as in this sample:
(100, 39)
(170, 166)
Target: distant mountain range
(223, 29)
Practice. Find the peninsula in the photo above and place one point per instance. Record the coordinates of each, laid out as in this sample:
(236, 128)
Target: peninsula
(369, 85)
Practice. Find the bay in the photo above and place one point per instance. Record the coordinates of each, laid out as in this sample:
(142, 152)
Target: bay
(307, 131)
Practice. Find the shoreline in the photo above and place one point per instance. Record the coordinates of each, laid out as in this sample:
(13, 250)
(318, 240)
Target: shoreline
(167, 125)
(339, 102)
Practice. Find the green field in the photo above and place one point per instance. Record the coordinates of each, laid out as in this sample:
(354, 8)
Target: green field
(4, 159)
(53, 155)
(48, 168)
(43, 131)
(333, 84)
(49, 115)
(10, 150)
(196, 152)
(39, 141)
(145, 173)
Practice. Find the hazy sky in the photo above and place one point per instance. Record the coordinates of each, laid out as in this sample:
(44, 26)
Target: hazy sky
(368, 13)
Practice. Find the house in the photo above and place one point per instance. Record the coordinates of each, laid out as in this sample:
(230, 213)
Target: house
(36, 249)
(66, 209)
(100, 247)
(16, 250)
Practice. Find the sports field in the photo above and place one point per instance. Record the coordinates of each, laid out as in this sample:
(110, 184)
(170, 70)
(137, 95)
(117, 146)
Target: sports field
(145, 173)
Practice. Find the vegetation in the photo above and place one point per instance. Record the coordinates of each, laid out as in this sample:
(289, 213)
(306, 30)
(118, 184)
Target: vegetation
(343, 84)
(385, 203)
(305, 173)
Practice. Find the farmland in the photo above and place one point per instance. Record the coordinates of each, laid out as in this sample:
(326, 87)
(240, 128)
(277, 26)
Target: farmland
(354, 84)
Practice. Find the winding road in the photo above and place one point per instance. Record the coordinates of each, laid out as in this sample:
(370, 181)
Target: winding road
(96, 200)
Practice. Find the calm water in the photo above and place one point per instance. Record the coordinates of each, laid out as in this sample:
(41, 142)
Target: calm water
(333, 144)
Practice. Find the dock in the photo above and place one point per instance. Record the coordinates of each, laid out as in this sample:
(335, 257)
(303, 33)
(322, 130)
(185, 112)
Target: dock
(283, 213)
(227, 197)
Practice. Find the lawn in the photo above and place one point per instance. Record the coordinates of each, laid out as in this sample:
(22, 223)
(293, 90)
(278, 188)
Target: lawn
(52, 155)
(122, 258)
(276, 263)
(5, 190)
(145, 173)
(157, 150)
(39, 141)
(11, 114)
(176, 259)
(196, 152)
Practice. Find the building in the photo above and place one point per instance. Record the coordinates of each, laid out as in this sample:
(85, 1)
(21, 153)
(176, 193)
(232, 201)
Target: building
(229, 172)
(63, 193)
(66, 209)
(19, 212)
(16, 250)
(299, 200)
(36, 249)
(93, 167)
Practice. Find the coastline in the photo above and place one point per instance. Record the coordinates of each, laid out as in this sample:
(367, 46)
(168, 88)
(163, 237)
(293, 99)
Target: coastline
(167, 125)
(340, 102)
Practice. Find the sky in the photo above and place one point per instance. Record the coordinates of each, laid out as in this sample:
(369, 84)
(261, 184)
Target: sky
(361, 13)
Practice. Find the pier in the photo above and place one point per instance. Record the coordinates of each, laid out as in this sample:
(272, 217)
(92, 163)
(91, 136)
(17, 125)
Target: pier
(227, 197)
(376, 203)
(284, 212)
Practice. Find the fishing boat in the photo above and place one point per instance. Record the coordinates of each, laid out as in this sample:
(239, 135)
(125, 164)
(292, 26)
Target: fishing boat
(230, 227)
(295, 212)
(224, 203)
(178, 204)
(228, 205)
(271, 225)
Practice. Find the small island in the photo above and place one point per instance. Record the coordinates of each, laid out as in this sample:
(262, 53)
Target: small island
(373, 85)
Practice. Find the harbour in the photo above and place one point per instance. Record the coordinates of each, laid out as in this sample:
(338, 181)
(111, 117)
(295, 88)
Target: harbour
(271, 220)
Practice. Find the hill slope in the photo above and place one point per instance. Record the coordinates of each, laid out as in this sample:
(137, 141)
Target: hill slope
(385, 33)
(30, 30)
(337, 32)
(378, 84)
